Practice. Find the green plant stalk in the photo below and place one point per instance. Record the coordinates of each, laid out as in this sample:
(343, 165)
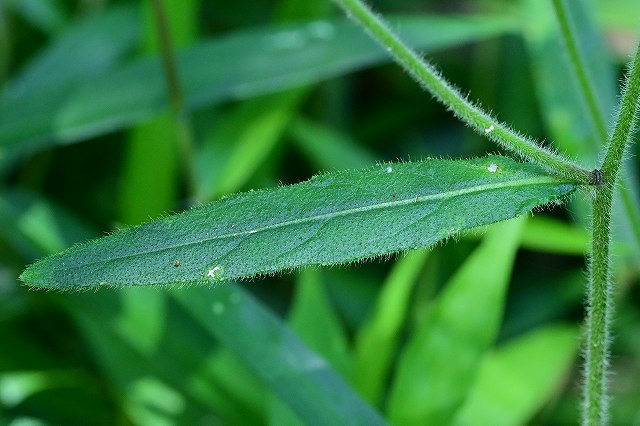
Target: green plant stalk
(600, 304)
(626, 122)
(428, 77)
(184, 134)
(599, 312)
(590, 99)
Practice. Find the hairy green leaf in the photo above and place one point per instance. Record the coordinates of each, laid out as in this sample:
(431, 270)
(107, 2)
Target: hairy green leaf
(330, 219)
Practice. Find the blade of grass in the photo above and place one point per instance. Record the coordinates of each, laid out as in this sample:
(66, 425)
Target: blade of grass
(296, 374)
(177, 363)
(150, 176)
(564, 113)
(507, 394)
(181, 121)
(101, 40)
(554, 236)
(34, 226)
(378, 338)
(46, 15)
(327, 148)
(315, 321)
(581, 71)
(440, 362)
(256, 62)
(240, 144)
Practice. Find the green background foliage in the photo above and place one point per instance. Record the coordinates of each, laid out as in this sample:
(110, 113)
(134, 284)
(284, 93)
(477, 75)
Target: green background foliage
(481, 330)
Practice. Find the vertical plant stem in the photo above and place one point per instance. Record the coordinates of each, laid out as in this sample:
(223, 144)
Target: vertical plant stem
(597, 116)
(184, 134)
(599, 311)
(600, 304)
(428, 77)
(625, 123)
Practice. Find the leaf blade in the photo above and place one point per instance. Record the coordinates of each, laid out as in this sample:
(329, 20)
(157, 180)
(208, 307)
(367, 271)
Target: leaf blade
(297, 375)
(330, 219)
(439, 363)
(241, 65)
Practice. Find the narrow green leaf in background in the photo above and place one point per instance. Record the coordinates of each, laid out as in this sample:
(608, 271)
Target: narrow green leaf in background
(45, 15)
(516, 379)
(377, 339)
(314, 319)
(34, 226)
(550, 235)
(233, 151)
(256, 62)
(93, 39)
(150, 176)
(441, 361)
(298, 376)
(330, 219)
(327, 148)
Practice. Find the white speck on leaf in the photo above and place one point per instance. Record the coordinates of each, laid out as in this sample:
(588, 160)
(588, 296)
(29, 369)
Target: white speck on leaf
(215, 272)
(489, 129)
(389, 169)
(493, 167)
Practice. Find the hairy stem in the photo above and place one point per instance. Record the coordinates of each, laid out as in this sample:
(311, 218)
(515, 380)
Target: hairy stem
(597, 116)
(428, 77)
(625, 123)
(600, 304)
(599, 311)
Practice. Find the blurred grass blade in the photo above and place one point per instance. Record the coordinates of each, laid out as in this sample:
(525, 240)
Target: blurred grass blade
(241, 65)
(236, 148)
(377, 340)
(150, 174)
(565, 113)
(549, 235)
(330, 219)
(34, 227)
(328, 149)
(516, 380)
(149, 179)
(300, 378)
(315, 321)
(46, 15)
(92, 46)
(440, 362)
(180, 360)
